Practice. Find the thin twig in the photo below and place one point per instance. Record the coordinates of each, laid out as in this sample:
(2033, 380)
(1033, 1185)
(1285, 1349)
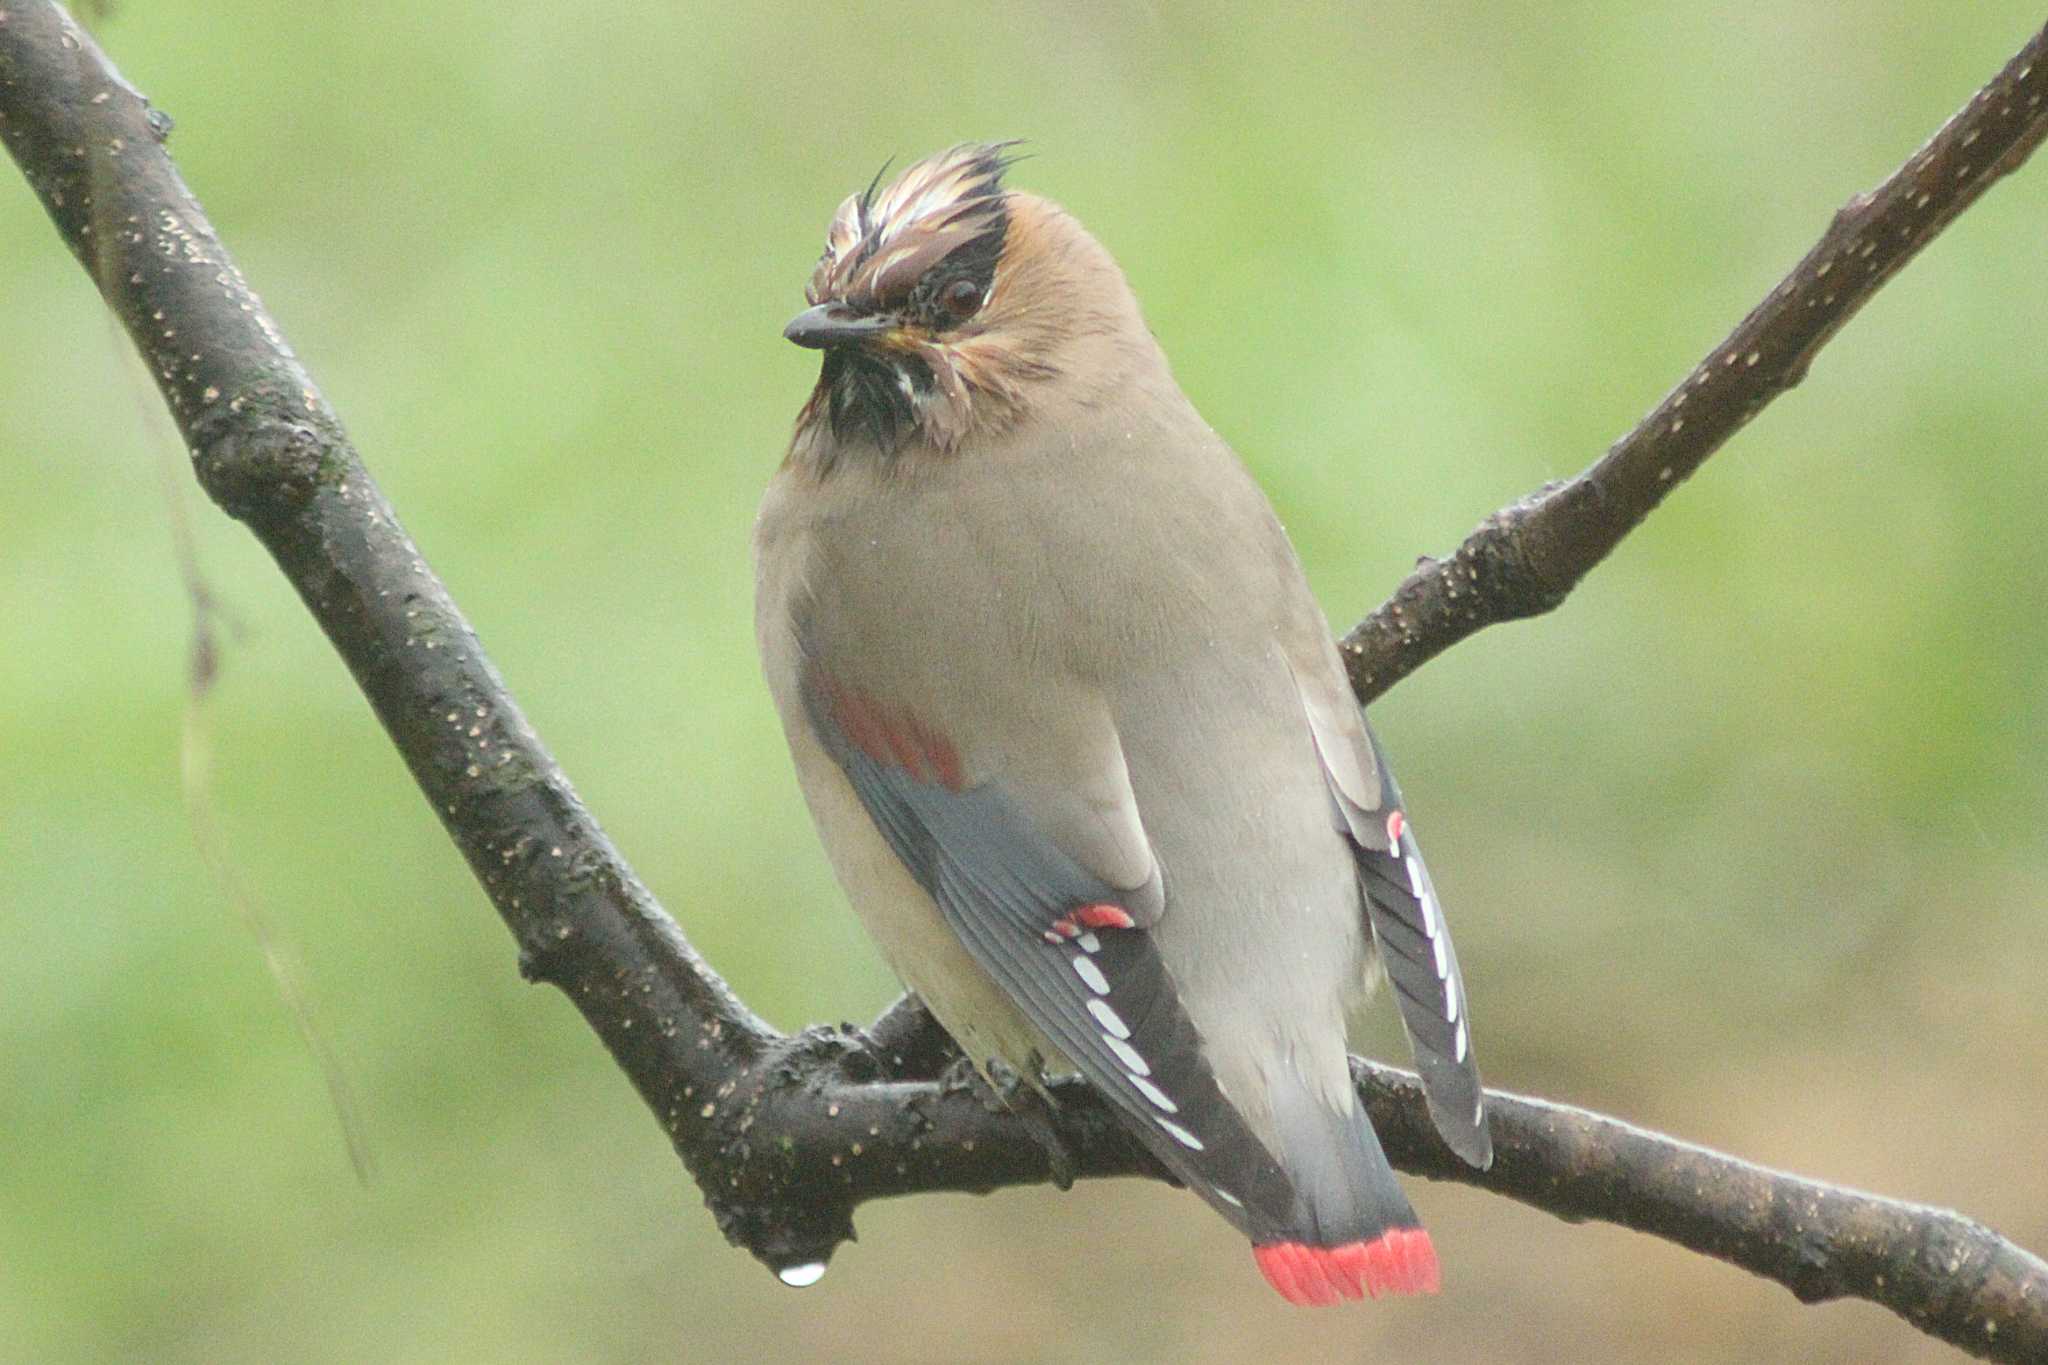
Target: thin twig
(1526, 558)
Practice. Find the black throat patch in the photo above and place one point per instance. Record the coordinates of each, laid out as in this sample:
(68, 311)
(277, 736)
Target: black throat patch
(872, 396)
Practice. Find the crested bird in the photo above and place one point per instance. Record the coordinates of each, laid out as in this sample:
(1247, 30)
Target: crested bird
(1075, 734)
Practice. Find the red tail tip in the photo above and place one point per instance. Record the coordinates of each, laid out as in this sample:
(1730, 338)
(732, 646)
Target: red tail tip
(1399, 1261)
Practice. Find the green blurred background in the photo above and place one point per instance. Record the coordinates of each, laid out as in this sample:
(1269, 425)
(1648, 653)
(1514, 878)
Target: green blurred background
(1744, 844)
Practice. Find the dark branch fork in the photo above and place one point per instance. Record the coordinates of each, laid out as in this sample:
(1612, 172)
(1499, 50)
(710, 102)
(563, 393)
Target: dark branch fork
(788, 1135)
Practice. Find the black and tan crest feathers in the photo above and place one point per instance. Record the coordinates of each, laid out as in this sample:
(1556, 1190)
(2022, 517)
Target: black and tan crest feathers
(880, 245)
(944, 299)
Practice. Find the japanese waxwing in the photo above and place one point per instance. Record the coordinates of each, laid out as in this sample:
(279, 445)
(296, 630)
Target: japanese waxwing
(1074, 731)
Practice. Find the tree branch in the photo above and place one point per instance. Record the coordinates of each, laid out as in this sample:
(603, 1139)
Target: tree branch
(786, 1136)
(1526, 558)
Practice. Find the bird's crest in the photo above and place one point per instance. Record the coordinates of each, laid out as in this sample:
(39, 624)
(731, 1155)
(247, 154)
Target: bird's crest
(880, 245)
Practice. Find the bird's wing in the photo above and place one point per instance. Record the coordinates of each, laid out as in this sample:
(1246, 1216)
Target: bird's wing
(1402, 907)
(1062, 922)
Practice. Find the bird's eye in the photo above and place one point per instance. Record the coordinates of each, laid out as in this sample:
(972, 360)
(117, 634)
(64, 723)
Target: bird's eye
(961, 298)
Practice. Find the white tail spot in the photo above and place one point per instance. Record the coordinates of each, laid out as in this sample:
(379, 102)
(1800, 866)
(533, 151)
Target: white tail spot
(1153, 1093)
(1111, 1021)
(1127, 1054)
(1090, 973)
(1088, 943)
(1461, 1043)
(1180, 1135)
(1450, 1000)
(1443, 966)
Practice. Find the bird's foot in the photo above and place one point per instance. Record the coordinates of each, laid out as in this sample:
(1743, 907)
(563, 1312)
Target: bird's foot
(1003, 1090)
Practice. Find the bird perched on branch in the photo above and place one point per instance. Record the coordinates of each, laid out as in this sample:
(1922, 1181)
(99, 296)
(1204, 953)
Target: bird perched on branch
(1075, 733)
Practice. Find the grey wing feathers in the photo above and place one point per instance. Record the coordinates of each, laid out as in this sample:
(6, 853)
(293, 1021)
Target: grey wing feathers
(1415, 948)
(1401, 906)
(1102, 994)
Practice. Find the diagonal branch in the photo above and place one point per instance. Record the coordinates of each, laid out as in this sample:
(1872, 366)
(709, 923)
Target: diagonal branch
(786, 1136)
(1526, 558)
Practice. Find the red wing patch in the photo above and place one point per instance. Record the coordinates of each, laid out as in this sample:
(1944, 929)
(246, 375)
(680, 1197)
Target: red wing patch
(1099, 916)
(891, 736)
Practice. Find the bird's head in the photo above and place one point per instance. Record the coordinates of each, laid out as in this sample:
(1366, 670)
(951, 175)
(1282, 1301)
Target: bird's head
(947, 306)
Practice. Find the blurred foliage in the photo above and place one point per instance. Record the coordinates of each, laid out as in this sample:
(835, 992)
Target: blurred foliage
(1744, 844)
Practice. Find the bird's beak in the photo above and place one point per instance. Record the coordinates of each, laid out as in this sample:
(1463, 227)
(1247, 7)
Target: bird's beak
(835, 324)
